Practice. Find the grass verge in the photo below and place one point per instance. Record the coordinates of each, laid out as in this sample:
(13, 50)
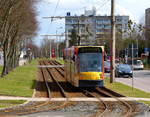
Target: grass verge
(146, 102)
(20, 81)
(8, 103)
(147, 67)
(60, 60)
(127, 90)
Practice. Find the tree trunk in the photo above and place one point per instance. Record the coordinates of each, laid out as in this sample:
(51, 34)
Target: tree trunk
(5, 67)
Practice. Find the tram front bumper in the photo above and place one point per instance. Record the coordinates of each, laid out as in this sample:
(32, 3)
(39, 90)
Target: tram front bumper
(90, 83)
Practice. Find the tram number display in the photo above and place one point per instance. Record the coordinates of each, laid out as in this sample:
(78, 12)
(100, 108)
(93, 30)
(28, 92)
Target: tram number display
(90, 50)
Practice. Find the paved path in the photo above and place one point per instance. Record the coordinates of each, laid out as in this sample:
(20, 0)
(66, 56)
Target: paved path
(22, 62)
(73, 99)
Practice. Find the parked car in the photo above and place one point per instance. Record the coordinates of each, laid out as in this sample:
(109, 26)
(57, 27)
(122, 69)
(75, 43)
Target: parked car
(123, 70)
(107, 66)
(137, 64)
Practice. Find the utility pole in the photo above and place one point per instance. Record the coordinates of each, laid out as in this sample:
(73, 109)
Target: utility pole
(50, 49)
(56, 45)
(132, 67)
(113, 31)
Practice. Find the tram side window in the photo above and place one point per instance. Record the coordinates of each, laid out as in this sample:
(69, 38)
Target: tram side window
(90, 62)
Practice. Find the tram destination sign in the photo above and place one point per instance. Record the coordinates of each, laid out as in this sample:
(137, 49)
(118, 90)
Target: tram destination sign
(90, 50)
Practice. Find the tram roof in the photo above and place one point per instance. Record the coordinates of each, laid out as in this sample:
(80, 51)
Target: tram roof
(85, 46)
(89, 46)
(77, 47)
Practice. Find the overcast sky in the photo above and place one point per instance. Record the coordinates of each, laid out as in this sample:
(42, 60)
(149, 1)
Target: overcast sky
(134, 8)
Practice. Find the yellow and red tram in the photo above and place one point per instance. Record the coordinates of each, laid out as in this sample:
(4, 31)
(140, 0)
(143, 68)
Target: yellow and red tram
(84, 65)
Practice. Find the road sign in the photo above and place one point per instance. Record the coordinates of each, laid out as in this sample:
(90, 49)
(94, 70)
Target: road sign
(146, 51)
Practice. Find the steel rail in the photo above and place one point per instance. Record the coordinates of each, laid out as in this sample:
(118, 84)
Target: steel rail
(47, 103)
(39, 105)
(35, 108)
(57, 63)
(106, 110)
(36, 104)
(46, 83)
(58, 69)
(52, 76)
(129, 112)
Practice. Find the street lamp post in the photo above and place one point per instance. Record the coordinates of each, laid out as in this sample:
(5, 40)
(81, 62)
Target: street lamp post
(58, 41)
(50, 49)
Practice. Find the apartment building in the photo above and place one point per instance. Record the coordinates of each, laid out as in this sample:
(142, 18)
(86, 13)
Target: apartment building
(91, 28)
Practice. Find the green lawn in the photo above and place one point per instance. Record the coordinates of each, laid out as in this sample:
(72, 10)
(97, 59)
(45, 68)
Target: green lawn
(8, 103)
(20, 82)
(147, 66)
(60, 61)
(1, 69)
(146, 102)
(126, 90)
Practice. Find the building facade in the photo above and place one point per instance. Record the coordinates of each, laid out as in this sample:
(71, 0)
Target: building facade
(147, 33)
(91, 28)
(147, 18)
(147, 23)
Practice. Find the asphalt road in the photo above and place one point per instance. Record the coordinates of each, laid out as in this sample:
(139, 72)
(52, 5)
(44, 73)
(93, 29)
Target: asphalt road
(141, 80)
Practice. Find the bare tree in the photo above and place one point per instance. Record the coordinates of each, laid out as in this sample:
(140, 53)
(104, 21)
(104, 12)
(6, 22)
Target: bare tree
(17, 20)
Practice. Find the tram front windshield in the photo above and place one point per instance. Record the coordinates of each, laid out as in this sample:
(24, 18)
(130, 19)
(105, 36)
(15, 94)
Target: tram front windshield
(90, 62)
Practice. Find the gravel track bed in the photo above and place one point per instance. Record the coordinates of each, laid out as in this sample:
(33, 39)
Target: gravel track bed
(79, 109)
(87, 109)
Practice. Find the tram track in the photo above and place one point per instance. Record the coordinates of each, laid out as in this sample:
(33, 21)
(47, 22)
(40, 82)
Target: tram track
(103, 110)
(53, 77)
(32, 106)
(40, 106)
(128, 113)
(106, 93)
(57, 63)
(60, 70)
(127, 109)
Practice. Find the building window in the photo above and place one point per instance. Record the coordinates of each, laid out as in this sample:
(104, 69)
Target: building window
(68, 20)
